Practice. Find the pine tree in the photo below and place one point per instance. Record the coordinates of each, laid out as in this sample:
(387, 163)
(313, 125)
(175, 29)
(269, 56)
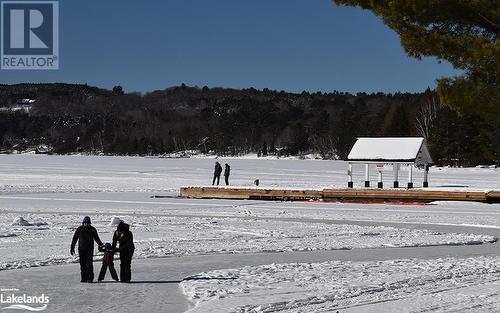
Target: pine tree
(462, 32)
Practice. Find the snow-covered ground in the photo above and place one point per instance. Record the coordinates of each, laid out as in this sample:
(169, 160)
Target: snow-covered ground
(40, 173)
(46, 237)
(350, 286)
(43, 198)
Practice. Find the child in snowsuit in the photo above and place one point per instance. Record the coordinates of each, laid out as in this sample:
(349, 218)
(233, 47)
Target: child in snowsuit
(107, 261)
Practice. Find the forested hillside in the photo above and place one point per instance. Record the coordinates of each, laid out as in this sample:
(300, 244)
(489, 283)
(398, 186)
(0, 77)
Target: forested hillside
(79, 118)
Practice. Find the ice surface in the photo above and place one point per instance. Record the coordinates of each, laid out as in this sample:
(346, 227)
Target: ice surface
(42, 174)
(53, 193)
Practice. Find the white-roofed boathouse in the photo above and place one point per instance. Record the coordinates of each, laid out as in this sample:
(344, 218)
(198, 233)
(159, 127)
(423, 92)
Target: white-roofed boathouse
(394, 151)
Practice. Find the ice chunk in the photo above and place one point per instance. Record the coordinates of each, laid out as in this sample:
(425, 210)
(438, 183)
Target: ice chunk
(20, 221)
(7, 235)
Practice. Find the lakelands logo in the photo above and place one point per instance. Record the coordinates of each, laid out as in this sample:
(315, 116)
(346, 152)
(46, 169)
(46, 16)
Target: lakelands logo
(30, 35)
(23, 301)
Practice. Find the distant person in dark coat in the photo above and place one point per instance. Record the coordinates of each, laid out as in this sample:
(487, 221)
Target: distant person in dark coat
(217, 172)
(124, 236)
(85, 235)
(107, 261)
(227, 172)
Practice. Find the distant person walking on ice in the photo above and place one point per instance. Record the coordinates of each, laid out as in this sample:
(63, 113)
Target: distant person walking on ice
(124, 236)
(227, 172)
(107, 261)
(85, 235)
(217, 172)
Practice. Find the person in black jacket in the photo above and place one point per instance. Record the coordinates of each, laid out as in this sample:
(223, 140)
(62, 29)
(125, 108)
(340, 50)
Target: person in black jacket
(124, 236)
(85, 235)
(217, 172)
(227, 171)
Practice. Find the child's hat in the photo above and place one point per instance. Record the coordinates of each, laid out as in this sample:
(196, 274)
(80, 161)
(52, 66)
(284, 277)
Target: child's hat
(107, 246)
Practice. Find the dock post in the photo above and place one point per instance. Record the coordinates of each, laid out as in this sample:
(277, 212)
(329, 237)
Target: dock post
(410, 176)
(349, 172)
(426, 176)
(367, 175)
(396, 174)
(380, 183)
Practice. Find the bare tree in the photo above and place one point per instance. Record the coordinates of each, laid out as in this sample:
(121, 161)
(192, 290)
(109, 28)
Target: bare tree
(426, 115)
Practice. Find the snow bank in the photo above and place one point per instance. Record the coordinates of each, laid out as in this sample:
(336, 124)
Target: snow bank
(20, 221)
(167, 236)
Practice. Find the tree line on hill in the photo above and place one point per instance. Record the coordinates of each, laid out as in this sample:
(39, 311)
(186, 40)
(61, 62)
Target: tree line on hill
(78, 118)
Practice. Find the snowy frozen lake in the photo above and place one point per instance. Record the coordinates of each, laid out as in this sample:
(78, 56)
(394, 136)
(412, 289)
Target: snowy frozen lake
(247, 256)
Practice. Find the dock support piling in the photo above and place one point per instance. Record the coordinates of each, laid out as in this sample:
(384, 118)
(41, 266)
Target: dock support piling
(380, 183)
(396, 174)
(426, 176)
(410, 176)
(367, 175)
(349, 173)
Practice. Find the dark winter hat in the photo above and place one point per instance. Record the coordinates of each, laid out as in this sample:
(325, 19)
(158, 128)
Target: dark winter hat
(107, 246)
(86, 220)
(121, 226)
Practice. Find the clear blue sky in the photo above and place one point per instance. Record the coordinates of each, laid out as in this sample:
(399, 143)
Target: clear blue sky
(290, 45)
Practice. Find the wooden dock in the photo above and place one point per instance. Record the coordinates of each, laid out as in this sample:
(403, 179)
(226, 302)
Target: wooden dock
(353, 195)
